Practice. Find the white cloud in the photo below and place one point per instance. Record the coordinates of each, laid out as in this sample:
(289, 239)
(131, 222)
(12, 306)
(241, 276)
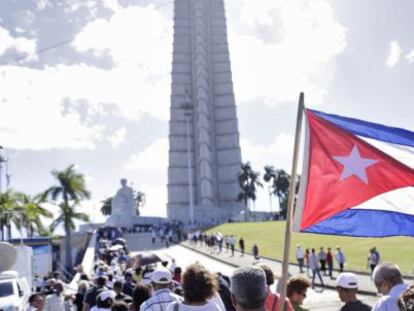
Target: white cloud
(410, 57)
(300, 55)
(43, 4)
(31, 111)
(394, 54)
(111, 4)
(156, 201)
(153, 157)
(118, 137)
(277, 154)
(21, 45)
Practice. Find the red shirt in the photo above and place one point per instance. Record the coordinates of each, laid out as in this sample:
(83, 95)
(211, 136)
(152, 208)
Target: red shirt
(273, 300)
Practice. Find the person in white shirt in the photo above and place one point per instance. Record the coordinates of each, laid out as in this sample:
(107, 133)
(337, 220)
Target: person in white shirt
(300, 255)
(55, 301)
(340, 258)
(314, 265)
(389, 282)
(161, 281)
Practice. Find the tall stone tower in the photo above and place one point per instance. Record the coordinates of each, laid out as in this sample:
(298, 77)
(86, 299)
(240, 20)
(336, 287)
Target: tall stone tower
(204, 155)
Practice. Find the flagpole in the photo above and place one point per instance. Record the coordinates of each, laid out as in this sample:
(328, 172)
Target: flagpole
(291, 201)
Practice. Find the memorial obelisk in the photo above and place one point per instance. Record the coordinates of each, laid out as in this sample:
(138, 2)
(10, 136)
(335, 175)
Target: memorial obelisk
(204, 153)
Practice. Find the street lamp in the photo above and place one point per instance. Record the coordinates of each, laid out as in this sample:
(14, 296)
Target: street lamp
(187, 106)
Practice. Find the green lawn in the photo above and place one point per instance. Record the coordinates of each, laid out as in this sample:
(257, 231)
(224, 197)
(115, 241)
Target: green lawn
(270, 236)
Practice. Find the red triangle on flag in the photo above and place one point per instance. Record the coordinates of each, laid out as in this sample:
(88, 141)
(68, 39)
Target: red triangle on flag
(344, 171)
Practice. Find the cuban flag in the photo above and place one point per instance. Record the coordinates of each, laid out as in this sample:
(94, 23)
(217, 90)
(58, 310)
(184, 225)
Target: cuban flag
(357, 178)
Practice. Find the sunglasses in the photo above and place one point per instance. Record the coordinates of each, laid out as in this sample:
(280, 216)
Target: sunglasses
(303, 294)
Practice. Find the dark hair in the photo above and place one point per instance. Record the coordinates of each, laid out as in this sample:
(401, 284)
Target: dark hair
(128, 275)
(100, 281)
(117, 284)
(84, 277)
(270, 277)
(296, 284)
(105, 303)
(141, 293)
(120, 306)
(33, 297)
(198, 283)
(406, 300)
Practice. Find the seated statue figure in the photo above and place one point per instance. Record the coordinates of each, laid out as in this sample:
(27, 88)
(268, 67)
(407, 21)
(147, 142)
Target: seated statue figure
(123, 203)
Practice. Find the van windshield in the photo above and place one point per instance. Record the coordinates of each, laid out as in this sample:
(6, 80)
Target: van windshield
(6, 289)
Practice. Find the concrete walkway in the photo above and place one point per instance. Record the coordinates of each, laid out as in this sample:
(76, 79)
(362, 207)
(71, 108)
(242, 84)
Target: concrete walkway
(366, 285)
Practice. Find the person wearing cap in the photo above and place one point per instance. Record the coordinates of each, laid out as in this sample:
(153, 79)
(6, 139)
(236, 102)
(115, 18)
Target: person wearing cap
(161, 281)
(389, 282)
(347, 286)
(300, 256)
(248, 289)
(104, 301)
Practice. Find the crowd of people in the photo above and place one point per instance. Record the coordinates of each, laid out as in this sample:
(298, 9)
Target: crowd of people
(218, 243)
(116, 285)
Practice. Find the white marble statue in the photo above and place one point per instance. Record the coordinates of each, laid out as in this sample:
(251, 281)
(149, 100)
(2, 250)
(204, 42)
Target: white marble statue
(123, 203)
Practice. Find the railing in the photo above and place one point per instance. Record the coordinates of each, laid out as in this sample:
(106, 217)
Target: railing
(87, 261)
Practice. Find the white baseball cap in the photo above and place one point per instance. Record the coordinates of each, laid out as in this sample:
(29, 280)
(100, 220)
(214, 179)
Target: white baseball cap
(347, 280)
(161, 276)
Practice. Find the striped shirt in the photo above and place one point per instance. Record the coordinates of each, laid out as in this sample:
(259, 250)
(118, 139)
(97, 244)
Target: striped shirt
(160, 300)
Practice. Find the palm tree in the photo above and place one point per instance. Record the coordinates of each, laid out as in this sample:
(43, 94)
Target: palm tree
(139, 198)
(269, 177)
(8, 211)
(281, 183)
(248, 182)
(106, 208)
(31, 212)
(71, 189)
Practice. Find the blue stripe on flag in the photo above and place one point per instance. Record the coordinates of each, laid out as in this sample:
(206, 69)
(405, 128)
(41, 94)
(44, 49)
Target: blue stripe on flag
(366, 223)
(370, 130)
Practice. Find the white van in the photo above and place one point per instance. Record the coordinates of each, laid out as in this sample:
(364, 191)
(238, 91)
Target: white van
(14, 292)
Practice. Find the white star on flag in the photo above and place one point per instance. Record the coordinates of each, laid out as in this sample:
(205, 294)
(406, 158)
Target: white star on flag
(355, 165)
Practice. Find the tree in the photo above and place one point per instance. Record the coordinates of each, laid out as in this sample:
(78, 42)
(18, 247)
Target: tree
(280, 186)
(71, 190)
(8, 209)
(248, 181)
(31, 210)
(106, 208)
(269, 177)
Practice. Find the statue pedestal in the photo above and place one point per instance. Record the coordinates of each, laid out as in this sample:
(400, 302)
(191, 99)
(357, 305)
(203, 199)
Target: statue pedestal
(125, 220)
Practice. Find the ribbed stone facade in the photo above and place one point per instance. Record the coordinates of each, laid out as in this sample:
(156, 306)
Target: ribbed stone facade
(201, 76)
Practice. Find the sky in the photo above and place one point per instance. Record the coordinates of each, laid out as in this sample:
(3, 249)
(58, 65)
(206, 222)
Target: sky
(87, 82)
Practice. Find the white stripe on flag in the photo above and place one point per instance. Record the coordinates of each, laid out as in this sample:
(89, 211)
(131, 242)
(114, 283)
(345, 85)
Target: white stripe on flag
(400, 200)
(402, 153)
